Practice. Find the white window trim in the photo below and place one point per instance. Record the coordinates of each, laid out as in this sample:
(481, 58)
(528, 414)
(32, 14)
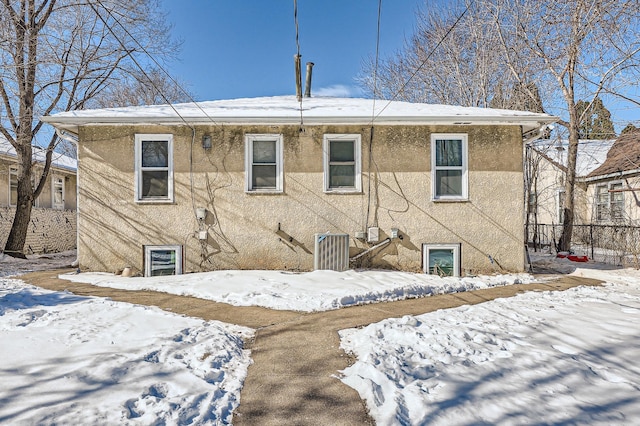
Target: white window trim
(357, 188)
(248, 162)
(426, 248)
(608, 210)
(147, 257)
(13, 171)
(465, 167)
(53, 192)
(138, 167)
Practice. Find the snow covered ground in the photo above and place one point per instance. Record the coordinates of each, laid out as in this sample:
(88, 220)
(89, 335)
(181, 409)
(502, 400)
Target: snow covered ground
(541, 357)
(66, 359)
(35, 262)
(308, 292)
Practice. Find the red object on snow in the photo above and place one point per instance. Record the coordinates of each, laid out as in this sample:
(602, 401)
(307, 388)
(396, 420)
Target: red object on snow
(575, 258)
(562, 254)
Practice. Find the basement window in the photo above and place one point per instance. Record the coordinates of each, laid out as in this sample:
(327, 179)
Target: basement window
(342, 163)
(441, 259)
(263, 163)
(162, 260)
(154, 168)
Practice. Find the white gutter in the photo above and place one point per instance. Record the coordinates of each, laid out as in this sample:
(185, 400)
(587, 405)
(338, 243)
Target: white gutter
(71, 139)
(72, 123)
(612, 175)
(534, 136)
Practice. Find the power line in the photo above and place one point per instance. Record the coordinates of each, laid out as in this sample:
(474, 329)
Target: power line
(373, 112)
(417, 70)
(150, 57)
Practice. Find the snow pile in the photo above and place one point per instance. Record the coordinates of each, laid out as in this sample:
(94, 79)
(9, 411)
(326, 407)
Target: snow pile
(68, 359)
(552, 357)
(308, 292)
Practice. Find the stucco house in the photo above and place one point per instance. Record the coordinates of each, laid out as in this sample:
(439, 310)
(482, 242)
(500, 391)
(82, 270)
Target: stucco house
(614, 187)
(275, 183)
(547, 162)
(53, 218)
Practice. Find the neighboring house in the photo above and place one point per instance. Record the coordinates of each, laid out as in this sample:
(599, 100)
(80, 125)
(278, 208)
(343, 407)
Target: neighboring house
(613, 189)
(548, 166)
(274, 183)
(53, 218)
(607, 181)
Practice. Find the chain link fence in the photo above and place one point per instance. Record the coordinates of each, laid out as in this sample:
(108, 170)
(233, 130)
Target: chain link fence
(612, 244)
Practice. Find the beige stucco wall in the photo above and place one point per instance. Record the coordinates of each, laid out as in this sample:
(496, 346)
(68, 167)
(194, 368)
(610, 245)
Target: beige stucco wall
(243, 228)
(549, 180)
(44, 200)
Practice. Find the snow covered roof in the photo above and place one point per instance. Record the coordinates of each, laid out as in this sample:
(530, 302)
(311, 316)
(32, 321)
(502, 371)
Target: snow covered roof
(286, 110)
(591, 153)
(58, 160)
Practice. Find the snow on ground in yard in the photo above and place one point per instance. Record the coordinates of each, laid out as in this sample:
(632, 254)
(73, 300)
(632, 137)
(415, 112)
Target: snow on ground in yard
(308, 292)
(66, 359)
(544, 357)
(35, 262)
(540, 357)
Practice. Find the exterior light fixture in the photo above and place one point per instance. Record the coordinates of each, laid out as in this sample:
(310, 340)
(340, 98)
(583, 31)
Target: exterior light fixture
(201, 213)
(206, 141)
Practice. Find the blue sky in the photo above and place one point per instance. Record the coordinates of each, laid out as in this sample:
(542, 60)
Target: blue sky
(245, 48)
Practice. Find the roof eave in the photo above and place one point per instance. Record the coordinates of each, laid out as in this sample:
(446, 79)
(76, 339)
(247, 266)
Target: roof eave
(72, 124)
(613, 175)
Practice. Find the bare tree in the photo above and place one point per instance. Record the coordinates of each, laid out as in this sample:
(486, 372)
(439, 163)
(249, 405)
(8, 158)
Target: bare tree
(56, 55)
(149, 87)
(569, 49)
(452, 58)
(578, 49)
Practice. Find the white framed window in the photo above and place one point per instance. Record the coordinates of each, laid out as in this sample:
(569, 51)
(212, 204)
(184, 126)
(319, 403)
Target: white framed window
(441, 259)
(154, 168)
(162, 260)
(13, 187)
(449, 177)
(342, 161)
(616, 201)
(609, 201)
(57, 192)
(560, 197)
(263, 163)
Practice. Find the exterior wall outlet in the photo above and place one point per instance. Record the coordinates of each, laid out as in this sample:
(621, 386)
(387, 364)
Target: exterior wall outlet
(202, 235)
(361, 235)
(373, 235)
(394, 232)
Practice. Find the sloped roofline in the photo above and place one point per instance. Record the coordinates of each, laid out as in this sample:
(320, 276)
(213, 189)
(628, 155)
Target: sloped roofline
(285, 110)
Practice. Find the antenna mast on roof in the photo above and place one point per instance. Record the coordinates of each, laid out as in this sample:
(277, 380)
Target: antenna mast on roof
(297, 57)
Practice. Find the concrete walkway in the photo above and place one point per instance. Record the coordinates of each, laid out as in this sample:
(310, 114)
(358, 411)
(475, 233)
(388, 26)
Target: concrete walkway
(296, 356)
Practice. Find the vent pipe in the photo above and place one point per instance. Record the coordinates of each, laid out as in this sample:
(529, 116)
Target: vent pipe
(307, 88)
(297, 58)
